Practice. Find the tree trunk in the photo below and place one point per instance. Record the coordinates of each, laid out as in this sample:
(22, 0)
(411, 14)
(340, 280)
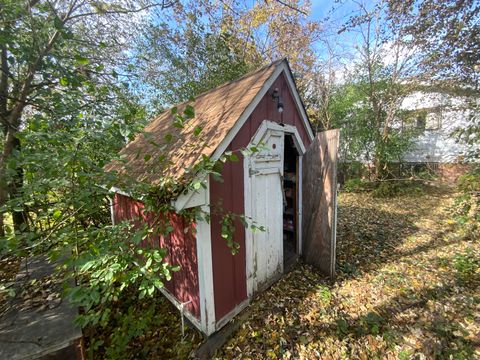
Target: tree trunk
(15, 190)
(11, 188)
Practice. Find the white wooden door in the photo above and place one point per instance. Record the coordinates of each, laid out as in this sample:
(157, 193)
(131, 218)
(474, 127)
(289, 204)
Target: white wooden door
(265, 176)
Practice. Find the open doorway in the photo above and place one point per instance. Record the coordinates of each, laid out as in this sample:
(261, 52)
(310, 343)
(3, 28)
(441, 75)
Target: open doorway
(290, 202)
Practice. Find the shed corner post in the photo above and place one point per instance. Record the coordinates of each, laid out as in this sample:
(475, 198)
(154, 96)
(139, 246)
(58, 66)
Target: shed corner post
(112, 210)
(205, 270)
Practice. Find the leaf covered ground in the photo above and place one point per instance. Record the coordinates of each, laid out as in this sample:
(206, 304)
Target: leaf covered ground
(407, 287)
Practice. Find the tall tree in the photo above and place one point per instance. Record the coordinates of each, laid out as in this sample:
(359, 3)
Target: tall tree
(53, 52)
(446, 35)
(270, 30)
(379, 79)
(184, 52)
(198, 46)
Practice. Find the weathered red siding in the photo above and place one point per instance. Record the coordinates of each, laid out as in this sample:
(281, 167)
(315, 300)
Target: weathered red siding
(181, 246)
(229, 272)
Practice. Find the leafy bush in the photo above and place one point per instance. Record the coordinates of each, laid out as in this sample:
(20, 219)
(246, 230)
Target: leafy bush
(353, 185)
(466, 264)
(469, 181)
(357, 185)
(388, 189)
(384, 189)
(466, 211)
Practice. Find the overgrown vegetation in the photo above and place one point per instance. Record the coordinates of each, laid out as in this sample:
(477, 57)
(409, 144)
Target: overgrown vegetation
(467, 204)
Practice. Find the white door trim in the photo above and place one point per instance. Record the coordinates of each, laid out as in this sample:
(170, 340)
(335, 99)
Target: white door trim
(299, 219)
(292, 130)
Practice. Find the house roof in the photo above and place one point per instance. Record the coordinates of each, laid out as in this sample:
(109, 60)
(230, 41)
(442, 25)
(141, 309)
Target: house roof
(152, 155)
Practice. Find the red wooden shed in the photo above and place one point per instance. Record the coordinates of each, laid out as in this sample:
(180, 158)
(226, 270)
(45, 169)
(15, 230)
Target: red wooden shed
(267, 186)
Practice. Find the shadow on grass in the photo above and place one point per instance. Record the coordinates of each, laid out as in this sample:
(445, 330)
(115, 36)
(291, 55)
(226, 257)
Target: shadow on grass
(441, 336)
(369, 237)
(305, 307)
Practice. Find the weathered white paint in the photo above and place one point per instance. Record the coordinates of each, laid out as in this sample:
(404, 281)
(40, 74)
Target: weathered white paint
(265, 175)
(300, 146)
(112, 212)
(205, 271)
(264, 204)
(193, 198)
(299, 206)
(114, 189)
(292, 130)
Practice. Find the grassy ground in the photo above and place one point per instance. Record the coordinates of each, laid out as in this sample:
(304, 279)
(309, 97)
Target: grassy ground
(407, 287)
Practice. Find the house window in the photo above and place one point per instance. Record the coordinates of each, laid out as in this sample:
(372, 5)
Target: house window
(428, 121)
(432, 121)
(421, 121)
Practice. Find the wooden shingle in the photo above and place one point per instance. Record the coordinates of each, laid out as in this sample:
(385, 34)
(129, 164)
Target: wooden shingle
(163, 150)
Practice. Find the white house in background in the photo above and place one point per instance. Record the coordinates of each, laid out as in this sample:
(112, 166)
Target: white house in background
(437, 115)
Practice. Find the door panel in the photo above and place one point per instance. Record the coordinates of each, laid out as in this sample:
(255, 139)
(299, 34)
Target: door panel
(265, 171)
(319, 201)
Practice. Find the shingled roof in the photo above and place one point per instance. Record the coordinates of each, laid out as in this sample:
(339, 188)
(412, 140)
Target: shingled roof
(152, 155)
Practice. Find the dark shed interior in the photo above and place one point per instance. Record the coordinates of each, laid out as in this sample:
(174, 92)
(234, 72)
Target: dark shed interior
(290, 201)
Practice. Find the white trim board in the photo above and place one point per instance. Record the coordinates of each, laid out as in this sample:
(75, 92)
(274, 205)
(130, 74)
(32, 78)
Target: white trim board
(124, 193)
(193, 198)
(112, 212)
(300, 202)
(205, 272)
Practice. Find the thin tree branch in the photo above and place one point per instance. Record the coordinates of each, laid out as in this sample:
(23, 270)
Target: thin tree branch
(292, 7)
(163, 5)
(25, 89)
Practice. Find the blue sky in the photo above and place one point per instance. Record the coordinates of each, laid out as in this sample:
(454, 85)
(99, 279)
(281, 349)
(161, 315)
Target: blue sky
(335, 13)
(322, 8)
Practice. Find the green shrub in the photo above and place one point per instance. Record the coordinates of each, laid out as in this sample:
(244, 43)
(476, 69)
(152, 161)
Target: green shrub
(466, 264)
(470, 181)
(466, 210)
(386, 189)
(357, 185)
(353, 185)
